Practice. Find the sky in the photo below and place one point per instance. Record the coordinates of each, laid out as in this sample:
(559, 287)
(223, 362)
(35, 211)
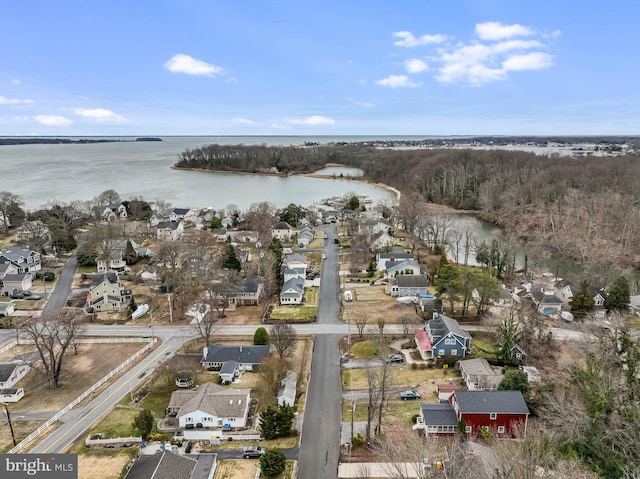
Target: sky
(329, 67)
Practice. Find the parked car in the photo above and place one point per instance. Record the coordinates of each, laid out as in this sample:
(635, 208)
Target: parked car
(395, 358)
(188, 447)
(189, 426)
(336, 240)
(410, 394)
(252, 452)
(33, 297)
(203, 308)
(324, 256)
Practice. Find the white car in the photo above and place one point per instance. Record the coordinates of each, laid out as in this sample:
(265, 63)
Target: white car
(324, 256)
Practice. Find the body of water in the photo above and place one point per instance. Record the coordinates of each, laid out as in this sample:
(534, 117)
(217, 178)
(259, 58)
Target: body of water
(65, 173)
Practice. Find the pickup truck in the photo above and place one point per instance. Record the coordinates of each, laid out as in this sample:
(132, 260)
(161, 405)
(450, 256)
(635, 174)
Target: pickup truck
(252, 452)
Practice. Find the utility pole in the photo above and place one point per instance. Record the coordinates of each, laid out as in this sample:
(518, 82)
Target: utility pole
(13, 436)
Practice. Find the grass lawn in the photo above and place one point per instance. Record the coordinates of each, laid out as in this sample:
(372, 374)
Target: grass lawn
(21, 429)
(483, 345)
(399, 413)
(103, 463)
(85, 269)
(402, 377)
(294, 312)
(365, 349)
(311, 296)
(118, 423)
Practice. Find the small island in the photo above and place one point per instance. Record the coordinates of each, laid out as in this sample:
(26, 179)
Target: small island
(148, 138)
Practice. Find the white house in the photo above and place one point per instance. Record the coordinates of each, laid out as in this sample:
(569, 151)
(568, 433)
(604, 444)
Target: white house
(11, 395)
(185, 215)
(169, 230)
(211, 406)
(15, 283)
(292, 291)
(24, 259)
(11, 373)
(283, 231)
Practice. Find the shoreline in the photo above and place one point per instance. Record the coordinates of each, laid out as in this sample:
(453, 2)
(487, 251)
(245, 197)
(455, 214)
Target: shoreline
(395, 191)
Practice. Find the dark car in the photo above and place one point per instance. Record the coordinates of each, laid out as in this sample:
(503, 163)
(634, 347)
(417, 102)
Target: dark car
(189, 426)
(410, 394)
(395, 358)
(188, 447)
(33, 297)
(252, 452)
(336, 240)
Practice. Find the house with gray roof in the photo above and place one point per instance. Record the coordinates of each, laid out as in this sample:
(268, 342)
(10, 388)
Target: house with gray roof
(471, 459)
(246, 356)
(169, 230)
(446, 339)
(382, 258)
(283, 231)
(292, 291)
(11, 373)
(186, 215)
(166, 465)
(210, 405)
(408, 285)
(502, 413)
(107, 294)
(479, 375)
(23, 258)
(13, 284)
(394, 268)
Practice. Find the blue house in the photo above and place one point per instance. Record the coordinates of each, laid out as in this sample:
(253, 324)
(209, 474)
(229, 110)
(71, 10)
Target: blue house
(444, 339)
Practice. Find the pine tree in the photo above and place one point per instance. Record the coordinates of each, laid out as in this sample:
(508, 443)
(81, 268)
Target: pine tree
(130, 255)
(231, 260)
(582, 302)
(619, 297)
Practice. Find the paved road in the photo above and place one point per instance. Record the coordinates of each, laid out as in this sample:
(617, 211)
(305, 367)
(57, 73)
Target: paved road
(58, 298)
(320, 441)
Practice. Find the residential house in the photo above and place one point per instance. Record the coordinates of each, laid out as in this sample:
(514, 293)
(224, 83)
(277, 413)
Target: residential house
(382, 258)
(295, 260)
(566, 290)
(210, 406)
(110, 212)
(507, 298)
(292, 273)
(117, 249)
(479, 375)
(408, 285)
(305, 236)
(7, 268)
(184, 215)
(13, 284)
(287, 391)
(11, 395)
(373, 226)
(292, 291)
(502, 413)
(24, 259)
(107, 294)
(403, 266)
(283, 231)
(166, 465)
(11, 373)
(169, 230)
(158, 217)
(545, 301)
(248, 294)
(33, 230)
(238, 236)
(247, 357)
(517, 354)
(442, 338)
(6, 309)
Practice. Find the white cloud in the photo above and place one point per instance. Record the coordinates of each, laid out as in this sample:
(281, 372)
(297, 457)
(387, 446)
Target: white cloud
(53, 120)
(243, 121)
(313, 120)
(498, 31)
(100, 114)
(409, 40)
(14, 101)
(181, 63)
(415, 65)
(16, 81)
(397, 81)
(528, 61)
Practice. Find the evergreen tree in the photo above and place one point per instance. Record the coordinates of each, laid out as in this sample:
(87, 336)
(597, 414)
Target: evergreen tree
(619, 297)
(132, 305)
(87, 254)
(130, 255)
(353, 203)
(231, 260)
(143, 422)
(272, 462)
(216, 223)
(261, 337)
(269, 423)
(582, 302)
(515, 380)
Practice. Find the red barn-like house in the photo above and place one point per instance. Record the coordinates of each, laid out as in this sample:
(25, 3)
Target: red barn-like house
(502, 413)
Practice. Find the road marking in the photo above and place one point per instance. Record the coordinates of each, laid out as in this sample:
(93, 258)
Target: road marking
(125, 384)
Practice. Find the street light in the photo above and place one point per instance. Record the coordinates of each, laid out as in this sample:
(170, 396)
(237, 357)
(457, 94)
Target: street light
(13, 436)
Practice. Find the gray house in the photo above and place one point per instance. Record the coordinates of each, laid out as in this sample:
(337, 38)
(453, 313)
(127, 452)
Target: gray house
(446, 339)
(245, 356)
(408, 285)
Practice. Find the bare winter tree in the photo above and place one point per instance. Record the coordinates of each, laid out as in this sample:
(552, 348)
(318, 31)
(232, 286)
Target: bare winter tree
(361, 320)
(283, 338)
(261, 217)
(380, 391)
(272, 370)
(51, 337)
(169, 256)
(108, 197)
(8, 203)
(408, 454)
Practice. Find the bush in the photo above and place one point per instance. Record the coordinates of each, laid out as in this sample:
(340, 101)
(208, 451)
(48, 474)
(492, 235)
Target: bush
(272, 462)
(414, 418)
(357, 440)
(260, 337)
(414, 366)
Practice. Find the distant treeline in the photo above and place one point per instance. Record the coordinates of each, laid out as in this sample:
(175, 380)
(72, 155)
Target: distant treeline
(52, 141)
(585, 209)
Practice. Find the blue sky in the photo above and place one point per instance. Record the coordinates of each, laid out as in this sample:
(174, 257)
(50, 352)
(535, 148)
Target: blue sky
(345, 67)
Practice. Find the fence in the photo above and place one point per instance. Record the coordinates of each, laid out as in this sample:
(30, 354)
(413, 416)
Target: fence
(116, 440)
(80, 398)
